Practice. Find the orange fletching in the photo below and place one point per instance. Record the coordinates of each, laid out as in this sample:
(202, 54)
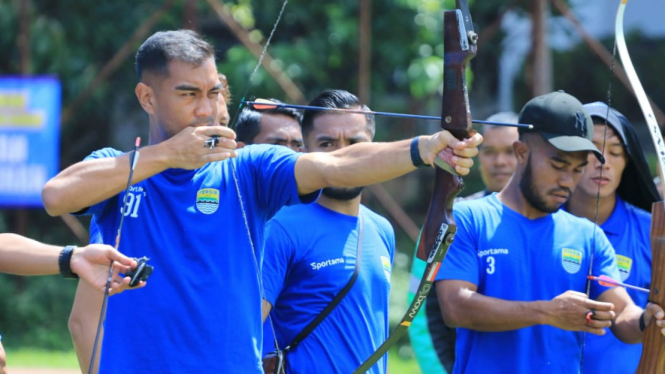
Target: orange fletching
(263, 104)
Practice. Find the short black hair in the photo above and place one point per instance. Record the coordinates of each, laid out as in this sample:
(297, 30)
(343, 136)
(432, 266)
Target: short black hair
(163, 47)
(334, 99)
(249, 120)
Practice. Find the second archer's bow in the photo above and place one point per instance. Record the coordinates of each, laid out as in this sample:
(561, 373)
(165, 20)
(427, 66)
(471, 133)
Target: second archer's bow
(653, 342)
(460, 45)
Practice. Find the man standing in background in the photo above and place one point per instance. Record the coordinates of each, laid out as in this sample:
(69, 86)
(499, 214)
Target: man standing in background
(279, 126)
(314, 251)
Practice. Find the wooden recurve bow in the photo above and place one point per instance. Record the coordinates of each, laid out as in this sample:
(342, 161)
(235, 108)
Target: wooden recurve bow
(653, 342)
(460, 43)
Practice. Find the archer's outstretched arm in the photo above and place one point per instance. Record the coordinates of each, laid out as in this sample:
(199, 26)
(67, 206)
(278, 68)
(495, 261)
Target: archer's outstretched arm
(367, 163)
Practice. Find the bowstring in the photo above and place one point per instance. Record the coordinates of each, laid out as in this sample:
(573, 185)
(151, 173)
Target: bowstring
(232, 125)
(102, 315)
(257, 268)
(597, 207)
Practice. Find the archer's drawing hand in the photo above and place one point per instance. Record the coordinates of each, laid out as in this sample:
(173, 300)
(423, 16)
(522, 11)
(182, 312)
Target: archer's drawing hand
(188, 149)
(449, 152)
(571, 311)
(91, 264)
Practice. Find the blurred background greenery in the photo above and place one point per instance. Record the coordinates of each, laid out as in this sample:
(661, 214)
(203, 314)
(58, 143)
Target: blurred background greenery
(392, 58)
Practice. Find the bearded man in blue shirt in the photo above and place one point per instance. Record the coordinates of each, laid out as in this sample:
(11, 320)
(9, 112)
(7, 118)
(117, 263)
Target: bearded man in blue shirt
(312, 252)
(514, 280)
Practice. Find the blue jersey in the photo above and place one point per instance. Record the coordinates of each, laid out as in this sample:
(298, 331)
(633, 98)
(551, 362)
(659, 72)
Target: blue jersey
(511, 257)
(310, 257)
(628, 229)
(201, 311)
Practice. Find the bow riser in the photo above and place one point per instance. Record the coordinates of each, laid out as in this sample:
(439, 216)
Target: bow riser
(459, 47)
(458, 51)
(446, 187)
(653, 342)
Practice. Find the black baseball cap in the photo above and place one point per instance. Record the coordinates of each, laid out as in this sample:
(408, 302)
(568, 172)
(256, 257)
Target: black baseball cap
(562, 120)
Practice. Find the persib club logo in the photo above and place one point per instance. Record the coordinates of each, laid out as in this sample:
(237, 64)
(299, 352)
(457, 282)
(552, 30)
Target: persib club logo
(207, 200)
(385, 261)
(625, 264)
(571, 260)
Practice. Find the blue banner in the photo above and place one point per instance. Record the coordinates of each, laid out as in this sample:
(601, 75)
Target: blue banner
(29, 138)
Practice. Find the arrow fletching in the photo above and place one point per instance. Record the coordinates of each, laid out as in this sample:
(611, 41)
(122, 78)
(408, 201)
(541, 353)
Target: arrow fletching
(606, 281)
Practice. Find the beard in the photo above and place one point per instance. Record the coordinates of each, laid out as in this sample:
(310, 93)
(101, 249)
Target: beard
(343, 194)
(528, 189)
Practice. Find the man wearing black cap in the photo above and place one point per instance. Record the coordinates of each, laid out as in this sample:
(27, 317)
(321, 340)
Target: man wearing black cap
(514, 280)
(620, 193)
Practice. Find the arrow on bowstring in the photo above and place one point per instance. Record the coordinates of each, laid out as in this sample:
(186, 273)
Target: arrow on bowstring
(263, 104)
(606, 281)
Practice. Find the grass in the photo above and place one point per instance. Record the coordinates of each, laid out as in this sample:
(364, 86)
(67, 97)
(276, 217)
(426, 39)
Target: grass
(399, 365)
(38, 358)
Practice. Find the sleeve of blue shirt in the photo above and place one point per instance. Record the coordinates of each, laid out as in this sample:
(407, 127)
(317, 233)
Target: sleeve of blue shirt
(101, 153)
(461, 262)
(279, 256)
(390, 233)
(273, 169)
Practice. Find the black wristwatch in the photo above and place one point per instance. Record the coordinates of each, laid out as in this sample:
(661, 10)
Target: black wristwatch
(64, 261)
(416, 160)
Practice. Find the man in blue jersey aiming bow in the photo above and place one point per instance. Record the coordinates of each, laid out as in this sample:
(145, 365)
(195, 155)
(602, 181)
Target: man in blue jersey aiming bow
(198, 210)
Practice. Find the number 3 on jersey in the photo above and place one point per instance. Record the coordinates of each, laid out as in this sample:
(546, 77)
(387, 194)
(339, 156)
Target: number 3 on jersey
(490, 265)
